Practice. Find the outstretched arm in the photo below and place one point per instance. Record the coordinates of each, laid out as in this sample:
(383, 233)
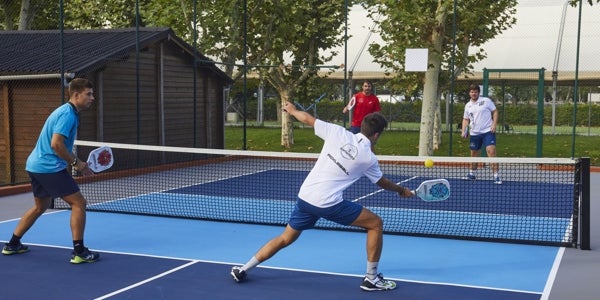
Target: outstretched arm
(389, 185)
(301, 116)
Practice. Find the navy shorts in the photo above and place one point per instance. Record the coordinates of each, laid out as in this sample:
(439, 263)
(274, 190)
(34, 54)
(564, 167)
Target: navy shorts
(306, 215)
(55, 185)
(484, 139)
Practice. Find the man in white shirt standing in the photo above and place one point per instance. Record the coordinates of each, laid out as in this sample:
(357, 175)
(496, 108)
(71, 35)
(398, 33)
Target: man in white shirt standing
(479, 122)
(344, 158)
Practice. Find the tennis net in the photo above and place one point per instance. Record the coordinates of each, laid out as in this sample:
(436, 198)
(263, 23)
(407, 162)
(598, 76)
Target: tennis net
(537, 203)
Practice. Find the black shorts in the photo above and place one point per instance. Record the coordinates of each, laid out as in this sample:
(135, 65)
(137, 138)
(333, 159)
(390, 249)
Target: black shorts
(55, 185)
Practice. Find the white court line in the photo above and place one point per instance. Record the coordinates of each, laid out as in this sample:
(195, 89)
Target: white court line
(57, 210)
(553, 272)
(381, 190)
(195, 261)
(147, 280)
(481, 287)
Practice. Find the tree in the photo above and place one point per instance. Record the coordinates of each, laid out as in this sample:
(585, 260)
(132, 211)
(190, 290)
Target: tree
(20, 13)
(299, 31)
(575, 2)
(285, 40)
(429, 24)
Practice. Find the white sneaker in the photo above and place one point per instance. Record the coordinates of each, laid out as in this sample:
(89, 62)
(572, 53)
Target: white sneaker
(238, 274)
(377, 284)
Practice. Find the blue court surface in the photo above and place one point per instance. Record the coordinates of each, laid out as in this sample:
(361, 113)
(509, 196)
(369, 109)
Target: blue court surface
(144, 257)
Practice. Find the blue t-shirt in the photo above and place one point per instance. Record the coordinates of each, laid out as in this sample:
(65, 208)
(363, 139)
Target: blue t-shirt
(64, 121)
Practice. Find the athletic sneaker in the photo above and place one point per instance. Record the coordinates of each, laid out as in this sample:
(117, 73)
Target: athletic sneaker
(18, 249)
(377, 284)
(238, 274)
(86, 256)
(497, 180)
(469, 177)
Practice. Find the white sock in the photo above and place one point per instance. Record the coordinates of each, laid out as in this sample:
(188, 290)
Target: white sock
(372, 269)
(253, 262)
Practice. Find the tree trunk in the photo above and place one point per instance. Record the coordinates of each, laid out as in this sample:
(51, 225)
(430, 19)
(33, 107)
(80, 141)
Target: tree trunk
(25, 16)
(437, 128)
(437, 125)
(428, 110)
(287, 126)
(430, 89)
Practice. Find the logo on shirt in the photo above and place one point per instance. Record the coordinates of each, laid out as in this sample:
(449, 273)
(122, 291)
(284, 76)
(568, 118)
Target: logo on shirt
(349, 151)
(339, 164)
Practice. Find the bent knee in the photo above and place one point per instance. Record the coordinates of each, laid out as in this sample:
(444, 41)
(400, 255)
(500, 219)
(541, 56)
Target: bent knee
(287, 239)
(375, 223)
(378, 224)
(39, 210)
(76, 200)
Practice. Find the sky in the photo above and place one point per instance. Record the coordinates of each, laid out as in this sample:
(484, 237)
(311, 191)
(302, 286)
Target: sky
(531, 43)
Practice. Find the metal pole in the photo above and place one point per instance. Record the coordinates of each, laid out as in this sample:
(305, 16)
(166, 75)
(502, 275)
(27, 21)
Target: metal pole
(576, 88)
(449, 110)
(540, 114)
(260, 109)
(137, 71)
(245, 70)
(61, 51)
(345, 92)
(194, 93)
(555, 69)
(589, 111)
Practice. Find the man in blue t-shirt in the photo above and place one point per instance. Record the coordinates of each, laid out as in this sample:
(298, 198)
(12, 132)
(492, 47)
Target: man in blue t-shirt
(47, 167)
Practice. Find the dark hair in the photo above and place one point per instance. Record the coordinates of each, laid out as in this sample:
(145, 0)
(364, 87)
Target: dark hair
(373, 123)
(474, 87)
(78, 85)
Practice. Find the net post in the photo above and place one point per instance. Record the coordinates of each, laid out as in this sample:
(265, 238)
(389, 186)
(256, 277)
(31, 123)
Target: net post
(540, 113)
(585, 203)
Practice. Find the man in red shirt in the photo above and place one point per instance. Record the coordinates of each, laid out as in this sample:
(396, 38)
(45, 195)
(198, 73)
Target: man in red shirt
(362, 104)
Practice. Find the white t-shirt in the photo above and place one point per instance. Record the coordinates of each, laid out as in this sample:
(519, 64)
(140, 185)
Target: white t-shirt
(479, 114)
(344, 159)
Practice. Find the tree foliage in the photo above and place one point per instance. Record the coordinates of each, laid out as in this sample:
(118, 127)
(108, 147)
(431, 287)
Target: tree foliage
(27, 14)
(576, 2)
(282, 40)
(285, 39)
(300, 31)
(430, 24)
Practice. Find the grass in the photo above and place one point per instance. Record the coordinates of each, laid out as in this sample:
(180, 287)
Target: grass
(406, 143)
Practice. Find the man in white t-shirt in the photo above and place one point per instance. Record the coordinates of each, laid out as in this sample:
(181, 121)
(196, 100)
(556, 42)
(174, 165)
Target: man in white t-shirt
(344, 159)
(479, 121)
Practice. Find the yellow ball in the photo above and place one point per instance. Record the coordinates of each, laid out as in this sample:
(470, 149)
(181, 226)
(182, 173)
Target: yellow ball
(429, 163)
